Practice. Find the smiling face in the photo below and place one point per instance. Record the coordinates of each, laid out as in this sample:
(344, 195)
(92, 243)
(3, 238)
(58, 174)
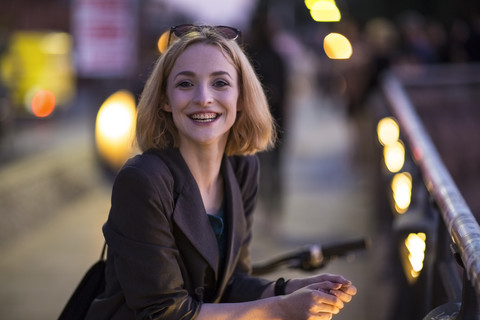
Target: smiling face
(202, 91)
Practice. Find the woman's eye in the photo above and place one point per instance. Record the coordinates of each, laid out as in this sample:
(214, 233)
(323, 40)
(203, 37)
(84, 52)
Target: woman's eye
(220, 83)
(184, 84)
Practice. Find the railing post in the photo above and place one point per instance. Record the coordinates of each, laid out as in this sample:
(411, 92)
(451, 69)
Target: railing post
(469, 309)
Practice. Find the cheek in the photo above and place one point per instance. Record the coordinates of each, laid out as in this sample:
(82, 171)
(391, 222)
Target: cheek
(175, 101)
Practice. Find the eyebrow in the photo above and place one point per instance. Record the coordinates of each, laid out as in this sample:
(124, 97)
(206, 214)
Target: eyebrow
(191, 74)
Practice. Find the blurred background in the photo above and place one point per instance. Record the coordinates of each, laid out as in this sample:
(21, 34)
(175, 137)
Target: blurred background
(71, 72)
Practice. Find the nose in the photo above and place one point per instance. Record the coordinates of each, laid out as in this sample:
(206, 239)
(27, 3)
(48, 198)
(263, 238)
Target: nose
(203, 95)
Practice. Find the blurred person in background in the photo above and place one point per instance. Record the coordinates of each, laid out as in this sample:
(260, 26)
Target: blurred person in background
(180, 222)
(272, 71)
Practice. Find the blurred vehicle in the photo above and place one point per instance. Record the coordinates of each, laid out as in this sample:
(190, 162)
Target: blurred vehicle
(38, 61)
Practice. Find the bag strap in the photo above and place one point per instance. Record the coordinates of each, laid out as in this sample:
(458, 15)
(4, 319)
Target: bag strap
(103, 255)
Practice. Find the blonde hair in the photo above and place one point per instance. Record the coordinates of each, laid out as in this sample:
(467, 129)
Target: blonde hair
(254, 128)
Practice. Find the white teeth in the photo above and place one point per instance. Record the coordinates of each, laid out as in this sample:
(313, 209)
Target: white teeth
(204, 117)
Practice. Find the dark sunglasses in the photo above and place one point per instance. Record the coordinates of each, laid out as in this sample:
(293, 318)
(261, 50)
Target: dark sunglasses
(229, 33)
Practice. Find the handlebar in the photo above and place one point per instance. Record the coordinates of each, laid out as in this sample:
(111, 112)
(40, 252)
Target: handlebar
(311, 257)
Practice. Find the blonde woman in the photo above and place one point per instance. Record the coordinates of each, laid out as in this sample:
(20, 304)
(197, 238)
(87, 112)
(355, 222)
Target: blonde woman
(180, 223)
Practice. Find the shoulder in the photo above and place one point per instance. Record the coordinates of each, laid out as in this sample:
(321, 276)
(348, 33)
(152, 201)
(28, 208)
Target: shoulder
(245, 168)
(148, 162)
(244, 163)
(163, 168)
(145, 169)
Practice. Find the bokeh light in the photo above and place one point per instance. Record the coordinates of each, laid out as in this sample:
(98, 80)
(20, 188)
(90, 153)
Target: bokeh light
(394, 155)
(162, 42)
(309, 3)
(337, 46)
(43, 103)
(402, 191)
(388, 131)
(416, 245)
(115, 128)
(325, 11)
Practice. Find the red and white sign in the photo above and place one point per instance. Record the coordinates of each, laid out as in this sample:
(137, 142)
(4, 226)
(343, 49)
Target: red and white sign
(105, 37)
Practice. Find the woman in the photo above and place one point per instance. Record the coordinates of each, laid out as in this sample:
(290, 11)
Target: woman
(179, 227)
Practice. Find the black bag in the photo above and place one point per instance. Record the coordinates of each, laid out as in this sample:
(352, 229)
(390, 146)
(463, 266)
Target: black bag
(91, 285)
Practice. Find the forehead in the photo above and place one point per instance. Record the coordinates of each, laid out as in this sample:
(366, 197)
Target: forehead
(203, 57)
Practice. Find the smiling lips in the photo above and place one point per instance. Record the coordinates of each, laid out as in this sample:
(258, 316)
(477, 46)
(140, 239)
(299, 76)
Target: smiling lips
(205, 117)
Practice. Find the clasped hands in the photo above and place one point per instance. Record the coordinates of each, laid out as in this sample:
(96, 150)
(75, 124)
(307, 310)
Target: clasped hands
(318, 297)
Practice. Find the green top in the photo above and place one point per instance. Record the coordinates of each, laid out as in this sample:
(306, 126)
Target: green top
(218, 226)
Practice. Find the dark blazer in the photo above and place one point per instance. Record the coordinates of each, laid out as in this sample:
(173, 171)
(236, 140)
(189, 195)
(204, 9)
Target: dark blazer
(163, 258)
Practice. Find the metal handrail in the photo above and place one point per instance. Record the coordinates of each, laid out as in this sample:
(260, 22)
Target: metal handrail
(457, 216)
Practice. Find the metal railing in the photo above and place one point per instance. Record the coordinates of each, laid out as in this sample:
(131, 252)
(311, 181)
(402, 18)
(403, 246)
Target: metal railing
(457, 216)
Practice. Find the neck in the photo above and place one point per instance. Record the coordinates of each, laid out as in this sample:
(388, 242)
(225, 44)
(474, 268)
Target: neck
(205, 168)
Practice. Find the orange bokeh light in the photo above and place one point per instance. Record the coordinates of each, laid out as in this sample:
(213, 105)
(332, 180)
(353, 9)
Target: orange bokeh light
(43, 103)
(162, 42)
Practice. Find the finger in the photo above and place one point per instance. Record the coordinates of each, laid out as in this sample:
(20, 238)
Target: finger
(326, 298)
(326, 286)
(324, 308)
(335, 278)
(351, 290)
(344, 297)
(322, 316)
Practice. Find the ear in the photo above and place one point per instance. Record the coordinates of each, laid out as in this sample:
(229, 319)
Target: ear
(166, 107)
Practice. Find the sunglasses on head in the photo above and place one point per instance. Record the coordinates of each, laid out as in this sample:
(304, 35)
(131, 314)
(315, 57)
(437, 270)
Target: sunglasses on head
(166, 40)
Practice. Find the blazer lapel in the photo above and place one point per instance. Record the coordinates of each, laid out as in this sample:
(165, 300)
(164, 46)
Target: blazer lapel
(235, 219)
(191, 218)
(189, 212)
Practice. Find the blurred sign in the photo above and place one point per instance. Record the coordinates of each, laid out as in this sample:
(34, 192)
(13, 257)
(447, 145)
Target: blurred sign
(105, 37)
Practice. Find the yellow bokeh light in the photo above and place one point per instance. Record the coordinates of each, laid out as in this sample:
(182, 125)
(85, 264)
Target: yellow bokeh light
(416, 246)
(402, 191)
(309, 3)
(394, 156)
(337, 46)
(58, 43)
(388, 131)
(115, 128)
(325, 11)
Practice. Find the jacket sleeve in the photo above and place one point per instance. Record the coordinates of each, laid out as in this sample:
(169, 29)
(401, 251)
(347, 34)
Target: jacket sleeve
(145, 257)
(242, 286)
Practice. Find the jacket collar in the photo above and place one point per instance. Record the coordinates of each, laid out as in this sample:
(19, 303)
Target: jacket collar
(190, 216)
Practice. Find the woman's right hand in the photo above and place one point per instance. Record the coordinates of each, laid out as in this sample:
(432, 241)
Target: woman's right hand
(314, 302)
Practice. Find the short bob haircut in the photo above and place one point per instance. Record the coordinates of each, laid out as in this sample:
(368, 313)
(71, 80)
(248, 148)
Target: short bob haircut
(254, 127)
